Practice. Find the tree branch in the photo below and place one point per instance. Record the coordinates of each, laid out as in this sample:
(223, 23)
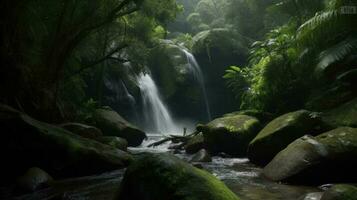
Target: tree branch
(108, 56)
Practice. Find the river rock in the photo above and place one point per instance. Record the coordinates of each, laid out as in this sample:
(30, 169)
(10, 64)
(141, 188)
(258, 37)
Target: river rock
(83, 130)
(194, 144)
(164, 176)
(280, 132)
(340, 192)
(28, 142)
(34, 178)
(344, 115)
(112, 124)
(329, 157)
(262, 116)
(117, 142)
(201, 156)
(230, 135)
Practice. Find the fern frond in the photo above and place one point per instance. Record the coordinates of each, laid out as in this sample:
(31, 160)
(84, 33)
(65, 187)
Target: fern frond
(315, 29)
(336, 53)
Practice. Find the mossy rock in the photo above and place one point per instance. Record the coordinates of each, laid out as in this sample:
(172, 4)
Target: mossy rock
(344, 115)
(330, 98)
(280, 132)
(230, 135)
(174, 77)
(194, 144)
(201, 156)
(225, 41)
(262, 116)
(34, 179)
(164, 176)
(112, 124)
(29, 142)
(117, 142)
(340, 192)
(83, 130)
(329, 157)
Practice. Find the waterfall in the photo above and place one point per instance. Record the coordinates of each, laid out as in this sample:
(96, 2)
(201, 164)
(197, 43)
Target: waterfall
(131, 101)
(156, 112)
(127, 95)
(195, 69)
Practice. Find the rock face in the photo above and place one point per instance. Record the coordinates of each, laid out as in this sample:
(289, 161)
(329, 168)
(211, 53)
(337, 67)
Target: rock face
(113, 141)
(27, 142)
(340, 192)
(230, 135)
(329, 157)
(201, 156)
(194, 144)
(34, 178)
(112, 124)
(83, 130)
(280, 132)
(175, 79)
(215, 49)
(344, 115)
(163, 176)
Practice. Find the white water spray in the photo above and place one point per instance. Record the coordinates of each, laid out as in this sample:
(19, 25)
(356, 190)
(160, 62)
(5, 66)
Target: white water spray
(156, 112)
(195, 69)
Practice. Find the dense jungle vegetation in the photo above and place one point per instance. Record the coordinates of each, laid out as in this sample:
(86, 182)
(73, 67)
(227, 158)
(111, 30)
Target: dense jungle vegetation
(91, 91)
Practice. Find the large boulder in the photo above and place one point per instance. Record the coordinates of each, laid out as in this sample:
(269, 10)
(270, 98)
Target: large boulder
(164, 176)
(343, 115)
(194, 144)
(329, 157)
(114, 141)
(230, 135)
(34, 179)
(340, 192)
(27, 142)
(262, 116)
(280, 132)
(83, 130)
(112, 124)
(201, 156)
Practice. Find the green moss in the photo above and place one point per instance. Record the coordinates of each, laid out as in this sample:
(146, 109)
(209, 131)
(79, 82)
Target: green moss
(344, 115)
(329, 157)
(341, 192)
(163, 176)
(223, 40)
(280, 132)
(230, 134)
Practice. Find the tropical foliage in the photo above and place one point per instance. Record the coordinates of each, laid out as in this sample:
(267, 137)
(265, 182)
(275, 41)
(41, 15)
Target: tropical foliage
(297, 58)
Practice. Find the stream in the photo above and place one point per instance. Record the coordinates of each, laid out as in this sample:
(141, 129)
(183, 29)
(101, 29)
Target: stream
(239, 175)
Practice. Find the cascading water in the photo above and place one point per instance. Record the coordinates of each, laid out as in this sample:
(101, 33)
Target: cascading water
(131, 101)
(156, 113)
(195, 69)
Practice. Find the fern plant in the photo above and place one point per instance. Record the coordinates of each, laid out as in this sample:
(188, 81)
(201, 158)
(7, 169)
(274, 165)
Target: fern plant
(332, 34)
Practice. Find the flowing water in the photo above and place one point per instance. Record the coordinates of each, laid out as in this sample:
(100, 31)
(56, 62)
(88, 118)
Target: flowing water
(131, 100)
(242, 177)
(157, 116)
(195, 69)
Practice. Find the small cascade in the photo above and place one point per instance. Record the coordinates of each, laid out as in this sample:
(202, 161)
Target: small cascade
(195, 69)
(130, 98)
(127, 95)
(157, 115)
